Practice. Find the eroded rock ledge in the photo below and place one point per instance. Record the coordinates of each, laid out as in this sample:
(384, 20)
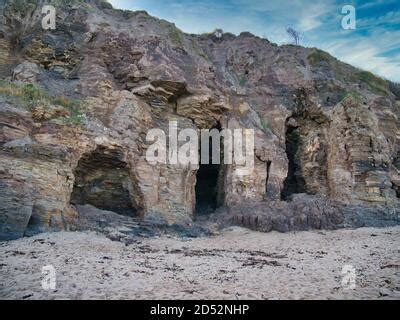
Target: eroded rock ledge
(76, 104)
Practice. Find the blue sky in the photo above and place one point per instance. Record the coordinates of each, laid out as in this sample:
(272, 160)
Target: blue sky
(374, 45)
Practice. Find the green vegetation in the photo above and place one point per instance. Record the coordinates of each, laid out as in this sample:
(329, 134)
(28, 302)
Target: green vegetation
(198, 50)
(229, 34)
(104, 24)
(317, 56)
(355, 95)
(263, 121)
(104, 4)
(205, 34)
(73, 106)
(374, 83)
(75, 118)
(27, 93)
(31, 97)
(176, 36)
(242, 81)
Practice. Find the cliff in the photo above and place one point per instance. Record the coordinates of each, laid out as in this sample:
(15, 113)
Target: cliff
(77, 102)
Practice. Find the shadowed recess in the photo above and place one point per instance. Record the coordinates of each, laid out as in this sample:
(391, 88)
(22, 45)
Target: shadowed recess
(102, 179)
(209, 186)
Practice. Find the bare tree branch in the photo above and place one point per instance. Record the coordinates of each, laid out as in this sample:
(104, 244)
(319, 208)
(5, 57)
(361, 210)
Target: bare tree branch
(295, 35)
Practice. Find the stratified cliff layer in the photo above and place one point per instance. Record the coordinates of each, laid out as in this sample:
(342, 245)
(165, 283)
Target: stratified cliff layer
(77, 102)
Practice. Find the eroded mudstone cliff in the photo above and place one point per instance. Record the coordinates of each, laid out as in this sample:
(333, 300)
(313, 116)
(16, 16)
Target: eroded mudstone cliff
(77, 102)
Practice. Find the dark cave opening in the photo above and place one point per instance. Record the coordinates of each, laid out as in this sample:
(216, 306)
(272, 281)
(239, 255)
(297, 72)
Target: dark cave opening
(32, 224)
(294, 182)
(207, 188)
(396, 164)
(209, 182)
(268, 164)
(102, 180)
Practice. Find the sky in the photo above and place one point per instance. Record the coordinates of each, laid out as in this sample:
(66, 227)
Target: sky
(374, 44)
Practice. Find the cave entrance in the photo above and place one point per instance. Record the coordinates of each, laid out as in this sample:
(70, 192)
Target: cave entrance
(103, 180)
(207, 188)
(396, 164)
(209, 181)
(294, 182)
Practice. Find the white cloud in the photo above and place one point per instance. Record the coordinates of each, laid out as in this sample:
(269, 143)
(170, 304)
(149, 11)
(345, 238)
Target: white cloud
(318, 21)
(366, 53)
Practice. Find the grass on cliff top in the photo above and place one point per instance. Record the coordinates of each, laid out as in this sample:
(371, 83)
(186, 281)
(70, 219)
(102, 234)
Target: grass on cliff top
(30, 97)
(176, 36)
(316, 57)
(374, 83)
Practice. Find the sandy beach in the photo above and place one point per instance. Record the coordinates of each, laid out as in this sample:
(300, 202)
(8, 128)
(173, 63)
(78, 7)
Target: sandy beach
(235, 264)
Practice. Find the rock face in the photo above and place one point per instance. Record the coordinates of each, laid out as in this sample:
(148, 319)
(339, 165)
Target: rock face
(77, 102)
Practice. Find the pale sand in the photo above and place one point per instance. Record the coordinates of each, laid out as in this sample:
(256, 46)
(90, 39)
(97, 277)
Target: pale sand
(237, 264)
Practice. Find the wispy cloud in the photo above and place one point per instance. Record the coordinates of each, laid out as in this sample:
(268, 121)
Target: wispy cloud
(369, 53)
(372, 46)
